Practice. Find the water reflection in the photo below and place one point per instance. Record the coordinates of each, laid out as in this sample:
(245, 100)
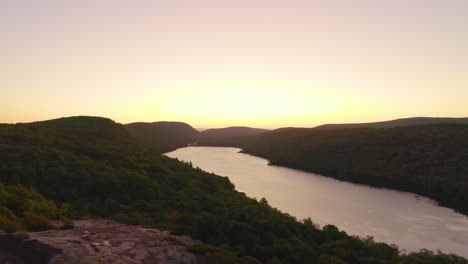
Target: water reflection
(405, 219)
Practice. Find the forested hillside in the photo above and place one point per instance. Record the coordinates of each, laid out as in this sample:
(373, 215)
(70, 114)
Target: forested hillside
(430, 160)
(162, 137)
(90, 167)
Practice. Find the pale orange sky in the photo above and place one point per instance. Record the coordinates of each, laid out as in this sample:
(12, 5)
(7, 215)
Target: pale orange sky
(216, 63)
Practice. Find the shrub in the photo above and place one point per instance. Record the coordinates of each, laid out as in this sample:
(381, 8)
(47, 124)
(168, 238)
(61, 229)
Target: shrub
(37, 222)
(8, 220)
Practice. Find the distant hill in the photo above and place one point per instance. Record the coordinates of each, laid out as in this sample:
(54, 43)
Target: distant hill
(234, 131)
(400, 122)
(88, 129)
(162, 137)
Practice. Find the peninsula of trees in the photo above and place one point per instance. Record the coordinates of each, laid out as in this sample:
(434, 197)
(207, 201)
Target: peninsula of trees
(430, 158)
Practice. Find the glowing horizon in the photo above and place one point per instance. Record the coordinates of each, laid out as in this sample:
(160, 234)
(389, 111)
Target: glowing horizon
(222, 63)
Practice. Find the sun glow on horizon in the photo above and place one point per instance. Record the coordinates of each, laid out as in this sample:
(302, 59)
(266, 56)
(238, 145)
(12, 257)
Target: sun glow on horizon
(251, 105)
(216, 63)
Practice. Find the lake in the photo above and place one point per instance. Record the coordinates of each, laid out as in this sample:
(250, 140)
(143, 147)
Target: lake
(410, 221)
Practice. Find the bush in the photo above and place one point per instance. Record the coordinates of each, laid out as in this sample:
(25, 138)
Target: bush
(37, 222)
(9, 225)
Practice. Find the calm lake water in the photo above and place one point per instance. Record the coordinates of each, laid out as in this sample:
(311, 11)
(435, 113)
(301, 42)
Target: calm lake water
(405, 219)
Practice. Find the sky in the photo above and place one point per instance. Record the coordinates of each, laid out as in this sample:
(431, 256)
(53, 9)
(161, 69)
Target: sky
(215, 63)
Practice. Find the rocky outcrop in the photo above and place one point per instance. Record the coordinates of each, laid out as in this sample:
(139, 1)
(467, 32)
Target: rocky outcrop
(104, 241)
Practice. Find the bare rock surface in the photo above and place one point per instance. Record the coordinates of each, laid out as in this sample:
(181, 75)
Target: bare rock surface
(104, 241)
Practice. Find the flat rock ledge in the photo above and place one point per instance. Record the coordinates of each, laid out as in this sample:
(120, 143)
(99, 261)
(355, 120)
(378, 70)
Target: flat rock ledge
(105, 241)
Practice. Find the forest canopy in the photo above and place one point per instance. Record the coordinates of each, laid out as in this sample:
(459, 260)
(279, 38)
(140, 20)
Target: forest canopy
(85, 167)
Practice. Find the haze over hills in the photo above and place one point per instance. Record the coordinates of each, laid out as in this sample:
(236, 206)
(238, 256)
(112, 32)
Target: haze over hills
(234, 131)
(165, 136)
(89, 167)
(400, 122)
(174, 135)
